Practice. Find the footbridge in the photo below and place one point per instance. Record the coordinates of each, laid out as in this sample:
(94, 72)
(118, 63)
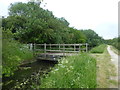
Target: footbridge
(54, 52)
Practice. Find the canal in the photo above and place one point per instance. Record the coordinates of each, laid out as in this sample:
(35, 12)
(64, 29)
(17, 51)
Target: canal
(27, 75)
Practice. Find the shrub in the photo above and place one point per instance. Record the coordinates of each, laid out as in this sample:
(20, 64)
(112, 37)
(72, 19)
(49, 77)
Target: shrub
(13, 53)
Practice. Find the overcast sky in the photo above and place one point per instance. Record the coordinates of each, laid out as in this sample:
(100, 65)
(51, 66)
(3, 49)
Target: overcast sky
(98, 15)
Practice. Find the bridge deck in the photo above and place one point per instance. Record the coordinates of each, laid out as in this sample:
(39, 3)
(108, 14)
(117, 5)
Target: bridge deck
(53, 56)
(58, 54)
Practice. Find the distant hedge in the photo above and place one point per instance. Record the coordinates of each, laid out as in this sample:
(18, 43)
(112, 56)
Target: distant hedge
(98, 49)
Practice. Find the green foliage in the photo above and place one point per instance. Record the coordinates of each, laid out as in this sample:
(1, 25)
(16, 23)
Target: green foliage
(77, 71)
(32, 24)
(77, 36)
(92, 38)
(13, 53)
(98, 49)
(115, 42)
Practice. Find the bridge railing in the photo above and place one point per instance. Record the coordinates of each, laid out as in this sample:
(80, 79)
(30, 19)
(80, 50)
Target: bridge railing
(59, 48)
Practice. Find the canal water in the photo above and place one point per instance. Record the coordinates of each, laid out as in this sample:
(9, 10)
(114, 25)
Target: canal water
(27, 75)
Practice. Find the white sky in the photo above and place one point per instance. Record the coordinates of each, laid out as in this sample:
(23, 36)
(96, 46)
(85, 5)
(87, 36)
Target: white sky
(98, 15)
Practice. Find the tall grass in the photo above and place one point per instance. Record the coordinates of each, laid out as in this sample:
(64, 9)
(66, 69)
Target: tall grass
(77, 71)
(13, 53)
(99, 49)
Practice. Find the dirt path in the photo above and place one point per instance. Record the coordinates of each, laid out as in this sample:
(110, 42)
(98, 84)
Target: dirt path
(114, 60)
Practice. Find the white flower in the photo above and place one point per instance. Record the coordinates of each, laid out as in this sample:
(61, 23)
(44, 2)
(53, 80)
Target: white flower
(71, 67)
(56, 69)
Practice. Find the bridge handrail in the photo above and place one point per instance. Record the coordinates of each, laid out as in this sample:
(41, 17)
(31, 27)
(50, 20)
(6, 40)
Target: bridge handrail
(62, 47)
(61, 44)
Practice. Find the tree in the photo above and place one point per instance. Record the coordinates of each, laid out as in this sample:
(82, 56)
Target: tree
(115, 42)
(30, 23)
(92, 37)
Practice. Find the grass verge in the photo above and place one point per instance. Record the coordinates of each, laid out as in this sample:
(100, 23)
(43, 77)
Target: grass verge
(98, 49)
(77, 71)
(105, 70)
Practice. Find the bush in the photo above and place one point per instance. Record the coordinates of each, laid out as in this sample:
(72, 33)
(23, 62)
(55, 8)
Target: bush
(13, 53)
(98, 49)
(72, 72)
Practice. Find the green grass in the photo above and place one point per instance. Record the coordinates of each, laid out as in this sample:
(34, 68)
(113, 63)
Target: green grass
(99, 49)
(77, 71)
(113, 82)
(105, 70)
(13, 53)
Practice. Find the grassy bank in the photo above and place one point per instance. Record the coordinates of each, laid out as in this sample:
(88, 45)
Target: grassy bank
(99, 49)
(105, 70)
(77, 71)
(13, 53)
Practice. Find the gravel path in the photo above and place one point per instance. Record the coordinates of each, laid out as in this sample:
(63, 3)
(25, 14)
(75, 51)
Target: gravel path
(114, 60)
(114, 57)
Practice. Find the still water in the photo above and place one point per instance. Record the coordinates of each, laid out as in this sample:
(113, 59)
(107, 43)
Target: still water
(27, 75)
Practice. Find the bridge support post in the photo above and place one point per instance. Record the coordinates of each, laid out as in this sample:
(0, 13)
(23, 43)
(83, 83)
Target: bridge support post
(74, 47)
(86, 47)
(31, 46)
(63, 49)
(59, 46)
(45, 49)
(79, 48)
(50, 46)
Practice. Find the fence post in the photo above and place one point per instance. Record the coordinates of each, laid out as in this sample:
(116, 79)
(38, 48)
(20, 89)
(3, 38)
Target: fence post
(74, 47)
(45, 49)
(86, 47)
(63, 49)
(59, 46)
(79, 47)
(50, 46)
(30, 46)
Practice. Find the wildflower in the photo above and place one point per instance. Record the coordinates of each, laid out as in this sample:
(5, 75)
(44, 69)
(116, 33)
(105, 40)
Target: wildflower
(66, 61)
(56, 69)
(71, 67)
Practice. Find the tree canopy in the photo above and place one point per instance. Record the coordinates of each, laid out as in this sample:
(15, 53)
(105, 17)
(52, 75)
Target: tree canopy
(115, 42)
(30, 23)
(93, 38)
